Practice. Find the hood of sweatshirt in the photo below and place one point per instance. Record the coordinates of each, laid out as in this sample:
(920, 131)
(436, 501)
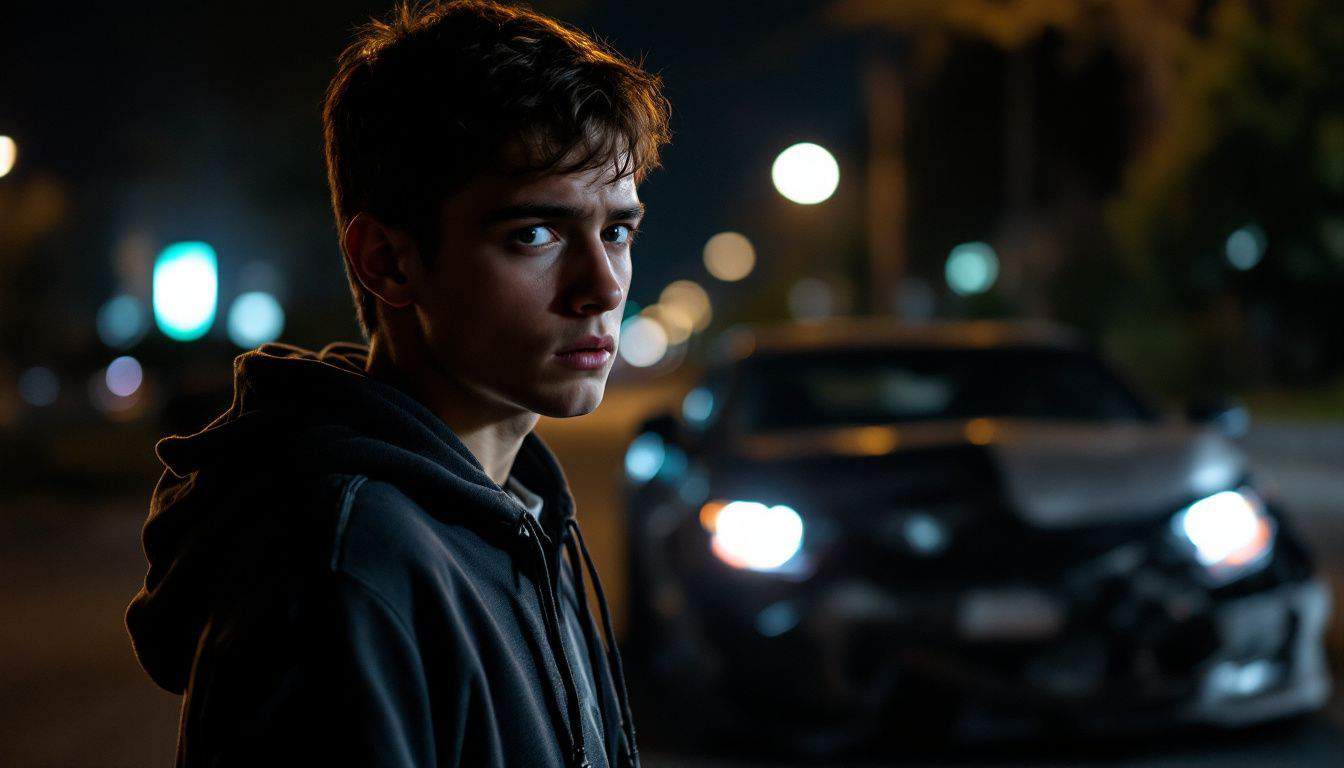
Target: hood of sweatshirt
(228, 490)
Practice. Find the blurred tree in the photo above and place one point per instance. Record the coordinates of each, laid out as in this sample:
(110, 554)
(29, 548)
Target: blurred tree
(33, 209)
(1235, 117)
(1032, 238)
(1254, 134)
(926, 29)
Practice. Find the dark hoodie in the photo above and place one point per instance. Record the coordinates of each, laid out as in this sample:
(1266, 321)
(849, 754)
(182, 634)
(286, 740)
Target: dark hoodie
(334, 580)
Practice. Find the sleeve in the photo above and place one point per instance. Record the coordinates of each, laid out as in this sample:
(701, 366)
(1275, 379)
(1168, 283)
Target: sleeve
(333, 679)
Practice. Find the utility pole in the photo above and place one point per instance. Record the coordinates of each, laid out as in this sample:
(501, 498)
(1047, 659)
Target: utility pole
(885, 88)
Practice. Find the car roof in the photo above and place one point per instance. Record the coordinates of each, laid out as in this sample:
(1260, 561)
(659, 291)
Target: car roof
(881, 332)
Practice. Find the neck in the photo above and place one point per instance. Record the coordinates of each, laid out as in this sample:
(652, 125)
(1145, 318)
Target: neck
(493, 431)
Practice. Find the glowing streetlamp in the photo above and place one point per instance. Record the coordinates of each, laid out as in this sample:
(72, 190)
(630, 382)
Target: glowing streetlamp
(806, 173)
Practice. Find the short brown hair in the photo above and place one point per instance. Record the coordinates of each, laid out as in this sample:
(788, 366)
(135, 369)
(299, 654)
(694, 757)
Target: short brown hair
(432, 96)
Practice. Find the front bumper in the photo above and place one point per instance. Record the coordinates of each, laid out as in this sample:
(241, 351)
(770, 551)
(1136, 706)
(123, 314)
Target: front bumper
(853, 652)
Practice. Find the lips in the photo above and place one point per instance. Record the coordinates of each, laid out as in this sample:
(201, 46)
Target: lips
(590, 344)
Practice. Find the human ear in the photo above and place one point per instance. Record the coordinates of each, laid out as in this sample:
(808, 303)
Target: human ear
(383, 259)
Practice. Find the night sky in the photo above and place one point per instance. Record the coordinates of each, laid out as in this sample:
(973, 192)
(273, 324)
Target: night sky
(178, 122)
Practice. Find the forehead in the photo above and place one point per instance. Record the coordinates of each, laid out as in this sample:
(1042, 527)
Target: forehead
(594, 188)
(599, 184)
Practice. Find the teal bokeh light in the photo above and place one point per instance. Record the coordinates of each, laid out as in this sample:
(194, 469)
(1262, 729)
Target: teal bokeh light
(972, 268)
(186, 290)
(1246, 246)
(255, 318)
(122, 322)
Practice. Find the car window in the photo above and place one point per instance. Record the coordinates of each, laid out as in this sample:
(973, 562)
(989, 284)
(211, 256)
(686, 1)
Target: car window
(880, 386)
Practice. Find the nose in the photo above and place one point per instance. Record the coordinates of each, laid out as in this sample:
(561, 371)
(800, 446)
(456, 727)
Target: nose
(593, 284)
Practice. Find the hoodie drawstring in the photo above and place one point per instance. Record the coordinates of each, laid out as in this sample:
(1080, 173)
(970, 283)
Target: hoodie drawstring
(529, 528)
(613, 654)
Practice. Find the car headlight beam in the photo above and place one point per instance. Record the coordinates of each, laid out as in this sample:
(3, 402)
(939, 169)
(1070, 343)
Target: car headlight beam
(1229, 532)
(751, 535)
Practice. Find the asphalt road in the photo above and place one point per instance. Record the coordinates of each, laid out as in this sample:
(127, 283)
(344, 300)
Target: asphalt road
(72, 695)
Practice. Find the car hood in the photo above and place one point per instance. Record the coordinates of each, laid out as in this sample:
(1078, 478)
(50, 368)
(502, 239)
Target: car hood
(1054, 474)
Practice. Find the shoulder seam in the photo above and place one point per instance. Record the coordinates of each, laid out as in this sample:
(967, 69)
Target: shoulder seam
(347, 502)
(343, 518)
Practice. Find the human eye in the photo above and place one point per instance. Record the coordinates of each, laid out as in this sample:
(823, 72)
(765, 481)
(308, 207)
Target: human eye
(532, 236)
(619, 233)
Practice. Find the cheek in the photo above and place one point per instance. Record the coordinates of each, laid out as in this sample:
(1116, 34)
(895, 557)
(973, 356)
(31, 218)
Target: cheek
(501, 304)
(624, 268)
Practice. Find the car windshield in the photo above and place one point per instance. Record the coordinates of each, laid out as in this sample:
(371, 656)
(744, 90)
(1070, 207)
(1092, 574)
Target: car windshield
(839, 388)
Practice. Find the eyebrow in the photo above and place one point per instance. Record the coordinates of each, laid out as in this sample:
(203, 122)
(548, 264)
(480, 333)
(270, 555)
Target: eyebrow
(555, 211)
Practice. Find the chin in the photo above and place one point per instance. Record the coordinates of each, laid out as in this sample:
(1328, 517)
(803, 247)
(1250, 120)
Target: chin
(574, 401)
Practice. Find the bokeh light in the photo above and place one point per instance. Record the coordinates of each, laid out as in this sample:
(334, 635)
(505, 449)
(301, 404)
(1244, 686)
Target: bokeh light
(643, 341)
(925, 534)
(676, 321)
(1245, 247)
(697, 406)
(806, 173)
(124, 376)
(186, 290)
(729, 256)
(748, 534)
(9, 154)
(645, 457)
(687, 296)
(255, 318)
(122, 322)
(778, 618)
(39, 386)
(109, 401)
(1227, 529)
(972, 268)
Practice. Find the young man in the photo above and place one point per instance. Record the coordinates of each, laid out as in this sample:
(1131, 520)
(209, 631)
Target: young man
(370, 559)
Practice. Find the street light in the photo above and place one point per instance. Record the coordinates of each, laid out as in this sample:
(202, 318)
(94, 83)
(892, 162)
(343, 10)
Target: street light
(806, 173)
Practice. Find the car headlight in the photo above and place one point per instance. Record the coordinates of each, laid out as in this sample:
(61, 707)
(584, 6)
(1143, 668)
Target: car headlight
(753, 536)
(1229, 533)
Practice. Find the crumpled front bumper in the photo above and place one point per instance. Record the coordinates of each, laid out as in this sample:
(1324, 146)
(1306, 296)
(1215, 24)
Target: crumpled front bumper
(852, 651)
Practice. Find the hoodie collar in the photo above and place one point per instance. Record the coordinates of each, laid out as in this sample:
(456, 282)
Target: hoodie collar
(328, 415)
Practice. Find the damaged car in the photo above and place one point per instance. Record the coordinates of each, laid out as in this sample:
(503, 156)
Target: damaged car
(981, 530)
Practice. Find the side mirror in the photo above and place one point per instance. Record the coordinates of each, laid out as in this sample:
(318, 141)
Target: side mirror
(1225, 413)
